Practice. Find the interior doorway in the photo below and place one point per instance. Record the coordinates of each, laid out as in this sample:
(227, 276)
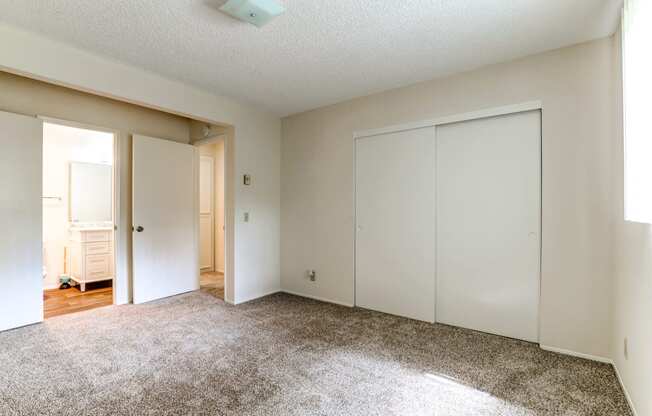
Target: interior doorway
(211, 215)
(78, 218)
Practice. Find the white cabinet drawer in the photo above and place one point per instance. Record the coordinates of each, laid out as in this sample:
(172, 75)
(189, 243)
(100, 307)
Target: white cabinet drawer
(91, 236)
(90, 276)
(98, 266)
(100, 247)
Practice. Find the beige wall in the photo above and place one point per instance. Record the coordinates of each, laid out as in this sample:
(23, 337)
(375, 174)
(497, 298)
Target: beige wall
(574, 86)
(27, 96)
(632, 290)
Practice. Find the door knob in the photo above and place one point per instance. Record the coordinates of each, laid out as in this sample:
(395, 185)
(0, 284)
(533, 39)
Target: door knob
(140, 229)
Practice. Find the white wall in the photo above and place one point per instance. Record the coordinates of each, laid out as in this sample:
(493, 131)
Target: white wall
(632, 273)
(62, 145)
(255, 262)
(574, 85)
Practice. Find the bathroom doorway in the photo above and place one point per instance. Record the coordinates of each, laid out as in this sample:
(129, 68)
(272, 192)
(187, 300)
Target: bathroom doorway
(78, 218)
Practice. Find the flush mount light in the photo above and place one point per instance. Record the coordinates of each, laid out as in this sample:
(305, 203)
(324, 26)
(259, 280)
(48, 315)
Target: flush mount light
(256, 12)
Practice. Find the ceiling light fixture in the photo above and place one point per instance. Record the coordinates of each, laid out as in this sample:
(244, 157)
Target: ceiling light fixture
(256, 12)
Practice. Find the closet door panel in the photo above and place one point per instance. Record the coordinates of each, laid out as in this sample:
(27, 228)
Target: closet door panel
(488, 224)
(395, 223)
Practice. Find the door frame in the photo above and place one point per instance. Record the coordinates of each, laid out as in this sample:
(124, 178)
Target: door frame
(121, 283)
(229, 221)
(455, 118)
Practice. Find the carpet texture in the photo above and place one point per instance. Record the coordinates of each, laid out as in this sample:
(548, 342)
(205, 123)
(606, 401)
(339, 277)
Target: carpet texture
(284, 355)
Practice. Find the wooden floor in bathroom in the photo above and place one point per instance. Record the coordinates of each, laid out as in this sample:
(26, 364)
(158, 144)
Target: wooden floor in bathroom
(63, 301)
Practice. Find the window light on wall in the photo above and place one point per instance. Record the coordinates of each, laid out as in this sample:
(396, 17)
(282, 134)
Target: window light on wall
(637, 94)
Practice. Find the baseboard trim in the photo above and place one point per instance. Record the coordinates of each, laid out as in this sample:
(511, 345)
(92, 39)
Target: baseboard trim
(303, 295)
(576, 354)
(622, 386)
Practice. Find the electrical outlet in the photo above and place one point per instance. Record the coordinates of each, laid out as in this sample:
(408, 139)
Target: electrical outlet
(625, 348)
(312, 275)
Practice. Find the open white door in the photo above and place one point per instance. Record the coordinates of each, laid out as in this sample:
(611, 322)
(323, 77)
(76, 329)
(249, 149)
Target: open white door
(165, 213)
(21, 297)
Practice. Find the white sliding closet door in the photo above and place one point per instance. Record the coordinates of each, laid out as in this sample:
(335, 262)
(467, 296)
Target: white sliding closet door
(21, 216)
(165, 214)
(488, 224)
(395, 223)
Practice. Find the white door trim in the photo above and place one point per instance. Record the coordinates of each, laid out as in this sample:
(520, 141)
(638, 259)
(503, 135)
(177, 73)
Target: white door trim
(455, 118)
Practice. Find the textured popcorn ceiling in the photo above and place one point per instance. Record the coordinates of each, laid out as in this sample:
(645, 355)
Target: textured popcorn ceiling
(320, 51)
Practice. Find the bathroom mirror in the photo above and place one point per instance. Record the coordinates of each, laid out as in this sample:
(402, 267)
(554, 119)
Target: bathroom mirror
(90, 192)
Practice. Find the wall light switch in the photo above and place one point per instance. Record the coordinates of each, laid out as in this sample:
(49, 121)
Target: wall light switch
(247, 179)
(246, 217)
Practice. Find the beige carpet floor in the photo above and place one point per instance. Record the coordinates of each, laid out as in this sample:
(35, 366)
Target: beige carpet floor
(283, 355)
